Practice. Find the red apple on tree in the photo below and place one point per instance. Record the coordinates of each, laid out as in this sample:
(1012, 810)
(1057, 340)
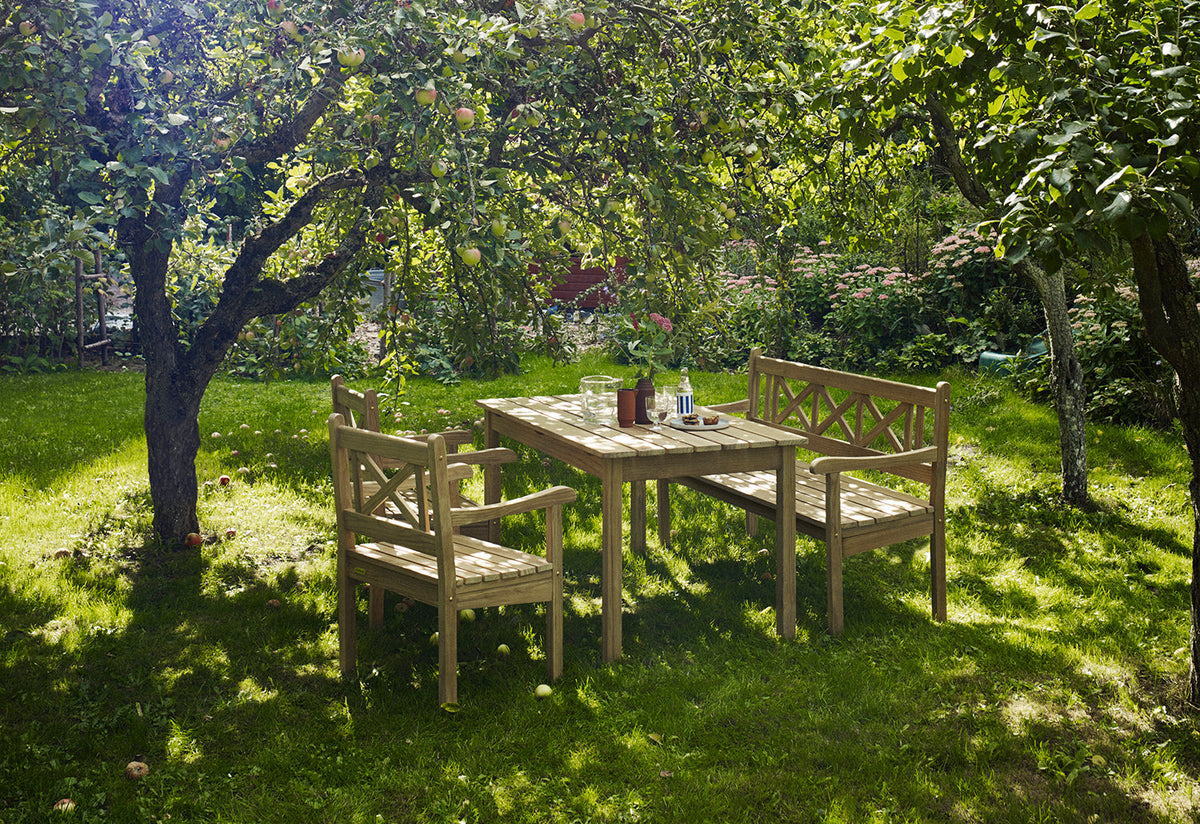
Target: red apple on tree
(464, 117)
(275, 8)
(27, 29)
(577, 21)
(381, 237)
(290, 28)
(426, 97)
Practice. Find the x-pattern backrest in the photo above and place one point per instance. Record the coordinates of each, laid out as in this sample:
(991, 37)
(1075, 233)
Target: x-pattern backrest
(858, 415)
(412, 508)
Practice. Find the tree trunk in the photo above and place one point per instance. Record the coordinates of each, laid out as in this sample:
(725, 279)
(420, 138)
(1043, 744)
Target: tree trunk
(1066, 375)
(1168, 303)
(1066, 379)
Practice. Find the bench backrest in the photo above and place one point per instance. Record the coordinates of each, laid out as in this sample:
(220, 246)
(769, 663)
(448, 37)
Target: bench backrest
(850, 415)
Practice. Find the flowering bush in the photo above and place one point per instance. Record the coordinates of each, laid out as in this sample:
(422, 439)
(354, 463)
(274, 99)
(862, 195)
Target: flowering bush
(977, 301)
(647, 341)
(877, 307)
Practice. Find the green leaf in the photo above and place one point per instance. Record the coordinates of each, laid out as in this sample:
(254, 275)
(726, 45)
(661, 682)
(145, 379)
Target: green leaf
(177, 119)
(1120, 206)
(1089, 11)
(1114, 177)
(956, 56)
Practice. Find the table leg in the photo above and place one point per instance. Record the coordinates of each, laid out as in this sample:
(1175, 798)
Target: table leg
(637, 517)
(491, 475)
(611, 483)
(785, 544)
(663, 504)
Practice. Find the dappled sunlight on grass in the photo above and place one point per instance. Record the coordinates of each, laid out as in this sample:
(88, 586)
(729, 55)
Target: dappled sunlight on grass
(1052, 694)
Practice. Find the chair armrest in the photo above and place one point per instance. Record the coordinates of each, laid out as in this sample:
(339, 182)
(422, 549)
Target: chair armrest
(731, 407)
(555, 495)
(829, 464)
(496, 455)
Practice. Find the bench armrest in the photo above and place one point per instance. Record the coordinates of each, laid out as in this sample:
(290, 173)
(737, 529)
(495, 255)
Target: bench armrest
(829, 464)
(554, 496)
(731, 407)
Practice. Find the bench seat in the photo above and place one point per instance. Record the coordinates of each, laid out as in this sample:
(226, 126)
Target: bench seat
(869, 511)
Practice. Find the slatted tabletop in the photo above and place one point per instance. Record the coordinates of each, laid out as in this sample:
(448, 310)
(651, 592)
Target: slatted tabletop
(554, 425)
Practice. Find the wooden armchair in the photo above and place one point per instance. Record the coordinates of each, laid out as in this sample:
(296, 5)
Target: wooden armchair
(414, 547)
(361, 409)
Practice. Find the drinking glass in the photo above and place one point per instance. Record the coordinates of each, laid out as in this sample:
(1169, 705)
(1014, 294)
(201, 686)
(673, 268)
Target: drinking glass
(598, 398)
(664, 402)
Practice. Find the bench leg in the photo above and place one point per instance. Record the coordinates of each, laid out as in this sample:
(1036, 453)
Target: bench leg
(751, 524)
(833, 553)
(937, 569)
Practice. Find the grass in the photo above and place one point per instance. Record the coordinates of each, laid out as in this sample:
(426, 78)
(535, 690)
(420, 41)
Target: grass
(1054, 693)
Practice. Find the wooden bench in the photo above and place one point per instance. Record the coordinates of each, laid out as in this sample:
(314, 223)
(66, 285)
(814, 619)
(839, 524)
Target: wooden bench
(853, 423)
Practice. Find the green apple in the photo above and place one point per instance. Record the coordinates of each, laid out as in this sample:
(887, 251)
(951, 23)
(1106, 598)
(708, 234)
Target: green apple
(499, 227)
(542, 691)
(503, 650)
(438, 169)
(426, 97)
(351, 58)
(471, 256)
(467, 615)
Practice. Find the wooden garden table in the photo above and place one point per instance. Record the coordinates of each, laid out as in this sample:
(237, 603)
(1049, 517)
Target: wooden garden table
(554, 426)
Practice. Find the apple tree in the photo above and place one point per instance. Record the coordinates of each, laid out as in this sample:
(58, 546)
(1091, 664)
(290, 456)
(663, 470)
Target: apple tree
(1074, 126)
(318, 138)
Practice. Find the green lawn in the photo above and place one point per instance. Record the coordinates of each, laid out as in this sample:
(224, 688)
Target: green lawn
(1054, 693)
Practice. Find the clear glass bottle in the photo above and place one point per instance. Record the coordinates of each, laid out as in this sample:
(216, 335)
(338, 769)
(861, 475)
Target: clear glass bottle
(683, 396)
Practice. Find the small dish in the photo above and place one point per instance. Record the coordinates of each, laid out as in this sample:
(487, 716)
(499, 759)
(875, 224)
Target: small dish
(677, 423)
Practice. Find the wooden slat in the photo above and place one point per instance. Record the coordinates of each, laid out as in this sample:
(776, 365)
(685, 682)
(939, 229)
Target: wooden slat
(863, 503)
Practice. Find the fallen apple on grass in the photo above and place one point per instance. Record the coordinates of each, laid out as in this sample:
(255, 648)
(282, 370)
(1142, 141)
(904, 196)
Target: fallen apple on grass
(223, 480)
(542, 691)
(193, 539)
(64, 805)
(137, 769)
(503, 650)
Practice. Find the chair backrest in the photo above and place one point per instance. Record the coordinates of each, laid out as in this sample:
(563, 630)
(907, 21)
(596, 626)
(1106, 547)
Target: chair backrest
(848, 415)
(420, 520)
(359, 409)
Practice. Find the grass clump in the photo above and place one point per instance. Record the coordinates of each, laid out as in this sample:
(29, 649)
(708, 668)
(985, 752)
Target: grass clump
(1054, 693)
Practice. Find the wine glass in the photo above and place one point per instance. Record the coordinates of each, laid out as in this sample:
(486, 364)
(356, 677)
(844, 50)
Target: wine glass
(651, 401)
